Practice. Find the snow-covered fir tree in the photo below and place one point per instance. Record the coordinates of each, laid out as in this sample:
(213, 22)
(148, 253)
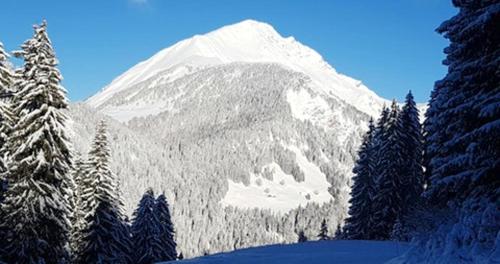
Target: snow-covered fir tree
(462, 125)
(168, 244)
(379, 137)
(6, 122)
(6, 115)
(323, 231)
(412, 181)
(5, 70)
(146, 231)
(77, 217)
(462, 134)
(36, 205)
(358, 224)
(104, 237)
(412, 170)
(387, 202)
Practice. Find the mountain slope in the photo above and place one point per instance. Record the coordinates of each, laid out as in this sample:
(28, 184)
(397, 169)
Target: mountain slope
(239, 116)
(236, 129)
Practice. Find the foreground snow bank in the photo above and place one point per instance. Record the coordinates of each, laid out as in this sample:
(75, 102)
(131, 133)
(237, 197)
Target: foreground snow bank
(335, 251)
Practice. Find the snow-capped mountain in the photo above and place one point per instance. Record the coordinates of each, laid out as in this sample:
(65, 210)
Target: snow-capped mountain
(252, 136)
(247, 41)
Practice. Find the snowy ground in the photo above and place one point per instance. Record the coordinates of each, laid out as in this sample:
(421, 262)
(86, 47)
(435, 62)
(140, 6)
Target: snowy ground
(335, 251)
(283, 193)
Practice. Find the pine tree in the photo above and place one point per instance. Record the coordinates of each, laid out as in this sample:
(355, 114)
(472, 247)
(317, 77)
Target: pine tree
(358, 224)
(462, 127)
(387, 203)
(104, 237)
(146, 231)
(35, 205)
(323, 232)
(168, 245)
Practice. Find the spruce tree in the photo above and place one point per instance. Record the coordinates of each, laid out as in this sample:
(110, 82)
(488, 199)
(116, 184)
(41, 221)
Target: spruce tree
(387, 203)
(412, 180)
(36, 205)
(168, 245)
(462, 128)
(323, 232)
(104, 237)
(6, 122)
(302, 237)
(6, 115)
(77, 219)
(412, 170)
(379, 137)
(146, 231)
(5, 71)
(338, 233)
(358, 224)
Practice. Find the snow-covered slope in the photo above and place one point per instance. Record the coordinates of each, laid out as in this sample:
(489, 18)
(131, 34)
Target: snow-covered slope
(247, 120)
(320, 252)
(247, 41)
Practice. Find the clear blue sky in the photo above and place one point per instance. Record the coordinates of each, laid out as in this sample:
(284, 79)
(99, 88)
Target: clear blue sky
(390, 45)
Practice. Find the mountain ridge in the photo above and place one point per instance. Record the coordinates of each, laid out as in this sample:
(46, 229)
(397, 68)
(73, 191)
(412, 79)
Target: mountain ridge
(247, 41)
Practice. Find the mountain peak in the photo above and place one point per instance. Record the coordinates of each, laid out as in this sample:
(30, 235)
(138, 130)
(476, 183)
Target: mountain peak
(247, 26)
(248, 41)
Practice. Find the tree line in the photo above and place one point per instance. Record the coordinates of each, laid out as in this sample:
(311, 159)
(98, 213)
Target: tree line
(388, 175)
(450, 209)
(56, 207)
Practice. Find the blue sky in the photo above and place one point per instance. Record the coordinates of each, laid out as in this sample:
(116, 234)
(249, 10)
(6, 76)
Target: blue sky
(390, 45)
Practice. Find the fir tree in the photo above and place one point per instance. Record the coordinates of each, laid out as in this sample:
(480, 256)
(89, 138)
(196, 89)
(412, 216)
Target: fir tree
(358, 224)
(338, 233)
(6, 80)
(462, 127)
(379, 138)
(6, 115)
(302, 237)
(5, 70)
(387, 203)
(104, 237)
(77, 219)
(412, 168)
(168, 245)
(36, 205)
(146, 231)
(412, 151)
(323, 232)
